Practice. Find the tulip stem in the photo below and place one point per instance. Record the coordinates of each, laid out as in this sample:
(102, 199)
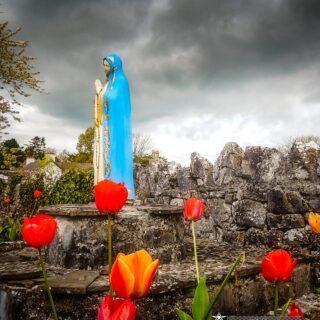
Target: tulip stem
(276, 300)
(195, 249)
(34, 207)
(45, 277)
(110, 250)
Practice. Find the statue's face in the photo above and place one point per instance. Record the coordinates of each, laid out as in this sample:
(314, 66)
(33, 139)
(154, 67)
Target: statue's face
(106, 66)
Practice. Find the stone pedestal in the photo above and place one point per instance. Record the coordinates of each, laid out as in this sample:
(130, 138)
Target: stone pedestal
(82, 233)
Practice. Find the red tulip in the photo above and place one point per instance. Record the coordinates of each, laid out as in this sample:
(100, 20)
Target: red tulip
(109, 196)
(295, 311)
(7, 200)
(37, 194)
(132, 275)
(39, 231)
(193, 209)
(277, 266)
(116, 309)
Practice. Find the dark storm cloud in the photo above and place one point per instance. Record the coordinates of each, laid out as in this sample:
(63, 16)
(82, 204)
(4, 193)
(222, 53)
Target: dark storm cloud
(69, 39)
(175, 52)
(236, 39)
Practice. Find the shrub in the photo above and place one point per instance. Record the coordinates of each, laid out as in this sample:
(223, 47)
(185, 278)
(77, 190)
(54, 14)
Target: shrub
(74, 187)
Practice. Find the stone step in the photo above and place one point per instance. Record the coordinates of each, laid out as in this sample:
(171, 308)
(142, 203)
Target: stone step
(81, 290)
(309, 304)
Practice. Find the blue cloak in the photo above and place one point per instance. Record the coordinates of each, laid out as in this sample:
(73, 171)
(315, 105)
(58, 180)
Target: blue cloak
(117, 133)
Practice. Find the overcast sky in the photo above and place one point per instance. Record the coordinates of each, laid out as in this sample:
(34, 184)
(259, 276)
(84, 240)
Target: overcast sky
(201, 73)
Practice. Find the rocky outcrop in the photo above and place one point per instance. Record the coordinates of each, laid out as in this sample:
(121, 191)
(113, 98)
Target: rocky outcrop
(250, 194)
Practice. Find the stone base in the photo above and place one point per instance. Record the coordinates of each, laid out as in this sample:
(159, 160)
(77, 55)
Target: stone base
(78, 293)
(82, 233)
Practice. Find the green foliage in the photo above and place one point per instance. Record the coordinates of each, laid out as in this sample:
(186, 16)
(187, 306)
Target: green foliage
(201, 300)
(73, 187)
(28, 203)
(144, 160)
(11, 155)
(16, 73)
(182, 315)
(36, 148)
(202, 306)
(85, 141)
(10, 230)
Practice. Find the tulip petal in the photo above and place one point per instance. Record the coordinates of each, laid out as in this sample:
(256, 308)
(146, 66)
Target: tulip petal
(126, 311)
(314, 222)
(148, 277)
(278, 266)
(106, 308)
(193, 209)
(39, 230)
(121, 278)
(138, 263)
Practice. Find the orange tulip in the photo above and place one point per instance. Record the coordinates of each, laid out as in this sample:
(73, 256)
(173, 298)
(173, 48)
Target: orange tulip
(193, 209)
(132, 275)
(314, 222)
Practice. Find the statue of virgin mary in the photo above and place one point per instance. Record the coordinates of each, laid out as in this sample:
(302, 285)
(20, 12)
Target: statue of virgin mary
(113, 137)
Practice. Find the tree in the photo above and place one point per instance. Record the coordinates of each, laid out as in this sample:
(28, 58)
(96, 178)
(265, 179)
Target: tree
(11, 155)
(85, 146)
(287, 145)
(16, 74)
(141, 145)
(36, 148)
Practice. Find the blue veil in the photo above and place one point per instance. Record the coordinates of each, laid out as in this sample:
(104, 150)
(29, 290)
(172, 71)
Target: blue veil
(117, 133)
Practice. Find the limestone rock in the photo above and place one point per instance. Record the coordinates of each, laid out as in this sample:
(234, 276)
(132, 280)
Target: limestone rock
(296, 237)
(288, 221)
(201, 169)
(228, 165)
(282, 202)
(262, 164)
(249, 213)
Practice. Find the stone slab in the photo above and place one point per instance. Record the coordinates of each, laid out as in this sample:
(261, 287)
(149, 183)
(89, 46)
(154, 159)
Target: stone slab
(74, 282)
(29, 253)
(162, 209)
(101, 284)
(13, 270)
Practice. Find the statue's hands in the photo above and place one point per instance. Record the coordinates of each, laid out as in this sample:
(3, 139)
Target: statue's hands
(98, 86)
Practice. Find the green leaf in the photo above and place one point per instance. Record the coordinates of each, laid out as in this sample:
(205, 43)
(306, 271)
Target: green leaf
(182, 315)
(200, 302)
(285, 308)
(12, 234)
(224, 283)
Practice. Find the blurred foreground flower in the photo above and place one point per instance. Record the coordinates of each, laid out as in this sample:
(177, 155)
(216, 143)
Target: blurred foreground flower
(112, 309)
(314, 222)
(37, 194)
(295, 311)
(193, 209)
(109, 196)
(132, 275)
(39, 231)
(277, 266)
(7, 200)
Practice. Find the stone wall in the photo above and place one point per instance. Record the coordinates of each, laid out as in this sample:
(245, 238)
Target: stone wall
(253, 196)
